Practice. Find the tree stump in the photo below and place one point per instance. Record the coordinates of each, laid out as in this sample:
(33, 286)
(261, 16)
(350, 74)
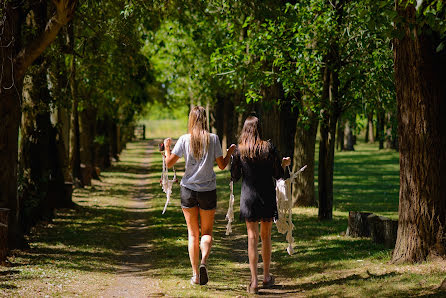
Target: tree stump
(3, 233)
(86, 174)
(383, 230)
(358, 225)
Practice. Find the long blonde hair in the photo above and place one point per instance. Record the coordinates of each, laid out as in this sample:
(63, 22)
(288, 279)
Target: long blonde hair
(250, 143)
(199, 134)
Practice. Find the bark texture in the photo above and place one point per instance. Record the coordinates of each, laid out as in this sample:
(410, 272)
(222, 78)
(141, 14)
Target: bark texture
(304, 150)
(330, 116)
(10, 101)
(421, 98)
(278, 121)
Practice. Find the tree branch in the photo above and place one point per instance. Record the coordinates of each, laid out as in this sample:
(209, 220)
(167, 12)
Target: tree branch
(64, 13)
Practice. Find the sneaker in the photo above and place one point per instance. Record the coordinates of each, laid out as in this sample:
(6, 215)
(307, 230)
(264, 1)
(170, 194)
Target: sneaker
(193, 280)
(203, 275)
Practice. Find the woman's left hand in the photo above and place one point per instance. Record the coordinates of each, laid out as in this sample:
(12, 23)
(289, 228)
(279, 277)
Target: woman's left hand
(167, 143)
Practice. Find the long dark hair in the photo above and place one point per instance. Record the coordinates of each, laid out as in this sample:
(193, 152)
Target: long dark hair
(250, 143)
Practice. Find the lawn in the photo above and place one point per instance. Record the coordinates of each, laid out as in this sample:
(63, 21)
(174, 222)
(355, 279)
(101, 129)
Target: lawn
(79, 252)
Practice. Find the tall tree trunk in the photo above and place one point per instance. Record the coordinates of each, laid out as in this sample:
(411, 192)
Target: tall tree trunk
(380, 127)
(87, 132)
(370, 136)
(348, 137)
(278, 122)
(114, 141)
(34, 147)
(304, 150)
(421, 99)
(75, 155)
(10, 112)
(340, 133)
(330, 116)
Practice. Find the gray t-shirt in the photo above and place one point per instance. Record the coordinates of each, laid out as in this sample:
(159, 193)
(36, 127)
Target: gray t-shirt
(199, 174)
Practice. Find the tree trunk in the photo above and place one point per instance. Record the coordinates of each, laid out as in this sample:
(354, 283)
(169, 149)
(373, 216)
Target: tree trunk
(421, 99)
(348, 137)
(34, 147)
(304, 149)
(75, 158)
(380, 127)
(278, 122)
(87, 132)
(3, 234)
(10, 94)
(340, 133)
(330, 116)
(370, 136)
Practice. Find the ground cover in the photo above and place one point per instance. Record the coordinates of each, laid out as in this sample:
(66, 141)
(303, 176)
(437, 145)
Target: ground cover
(117, 243)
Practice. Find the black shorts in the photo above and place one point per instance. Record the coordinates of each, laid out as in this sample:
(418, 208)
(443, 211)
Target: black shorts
(206, 200)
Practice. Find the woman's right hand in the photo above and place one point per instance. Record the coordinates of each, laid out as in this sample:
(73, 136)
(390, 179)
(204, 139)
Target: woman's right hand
(231, 149)
(286, 161)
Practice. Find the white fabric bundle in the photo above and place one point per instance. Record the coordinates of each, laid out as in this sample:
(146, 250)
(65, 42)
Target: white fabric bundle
(166, 183)
(230, 213)
(284, 207)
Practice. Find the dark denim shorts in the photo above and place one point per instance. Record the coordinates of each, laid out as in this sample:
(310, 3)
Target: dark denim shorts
(206, 200)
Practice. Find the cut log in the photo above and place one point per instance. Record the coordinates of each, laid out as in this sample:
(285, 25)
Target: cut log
(357, 224)
(3, 233)
(383, 230)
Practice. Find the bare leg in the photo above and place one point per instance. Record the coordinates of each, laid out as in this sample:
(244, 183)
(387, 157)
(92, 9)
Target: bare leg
(207, 224)
(265, 234)
(191, 216)
(253, 254)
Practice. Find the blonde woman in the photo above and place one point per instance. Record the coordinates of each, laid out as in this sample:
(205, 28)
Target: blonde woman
(258, 162)
(198, 186)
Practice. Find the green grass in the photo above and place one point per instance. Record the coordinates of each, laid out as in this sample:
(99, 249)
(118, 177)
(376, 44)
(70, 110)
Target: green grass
(164, 128)
(78, 253)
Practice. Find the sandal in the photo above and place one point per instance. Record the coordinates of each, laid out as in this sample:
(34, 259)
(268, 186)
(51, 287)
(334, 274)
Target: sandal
(270, 282)
(252, 290)
(203, 274)
(193, 280)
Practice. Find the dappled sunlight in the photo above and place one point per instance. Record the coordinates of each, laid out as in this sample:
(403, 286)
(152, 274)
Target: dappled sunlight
(118, 228)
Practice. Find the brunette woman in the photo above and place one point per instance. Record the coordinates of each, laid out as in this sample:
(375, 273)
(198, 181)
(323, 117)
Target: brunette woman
(258, 162)
(198, 186)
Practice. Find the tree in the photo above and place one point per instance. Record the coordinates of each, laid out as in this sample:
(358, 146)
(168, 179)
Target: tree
(16, 59)
(420, 69)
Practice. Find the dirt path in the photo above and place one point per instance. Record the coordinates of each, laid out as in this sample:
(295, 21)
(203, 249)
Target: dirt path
(133, 278)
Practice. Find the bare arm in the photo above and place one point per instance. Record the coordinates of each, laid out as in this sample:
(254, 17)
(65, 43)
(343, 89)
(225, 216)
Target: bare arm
(171, 159)
(223, 162)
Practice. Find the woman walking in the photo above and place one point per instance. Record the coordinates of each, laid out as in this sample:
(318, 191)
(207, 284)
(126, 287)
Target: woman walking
(198, 186)
(258, 162)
